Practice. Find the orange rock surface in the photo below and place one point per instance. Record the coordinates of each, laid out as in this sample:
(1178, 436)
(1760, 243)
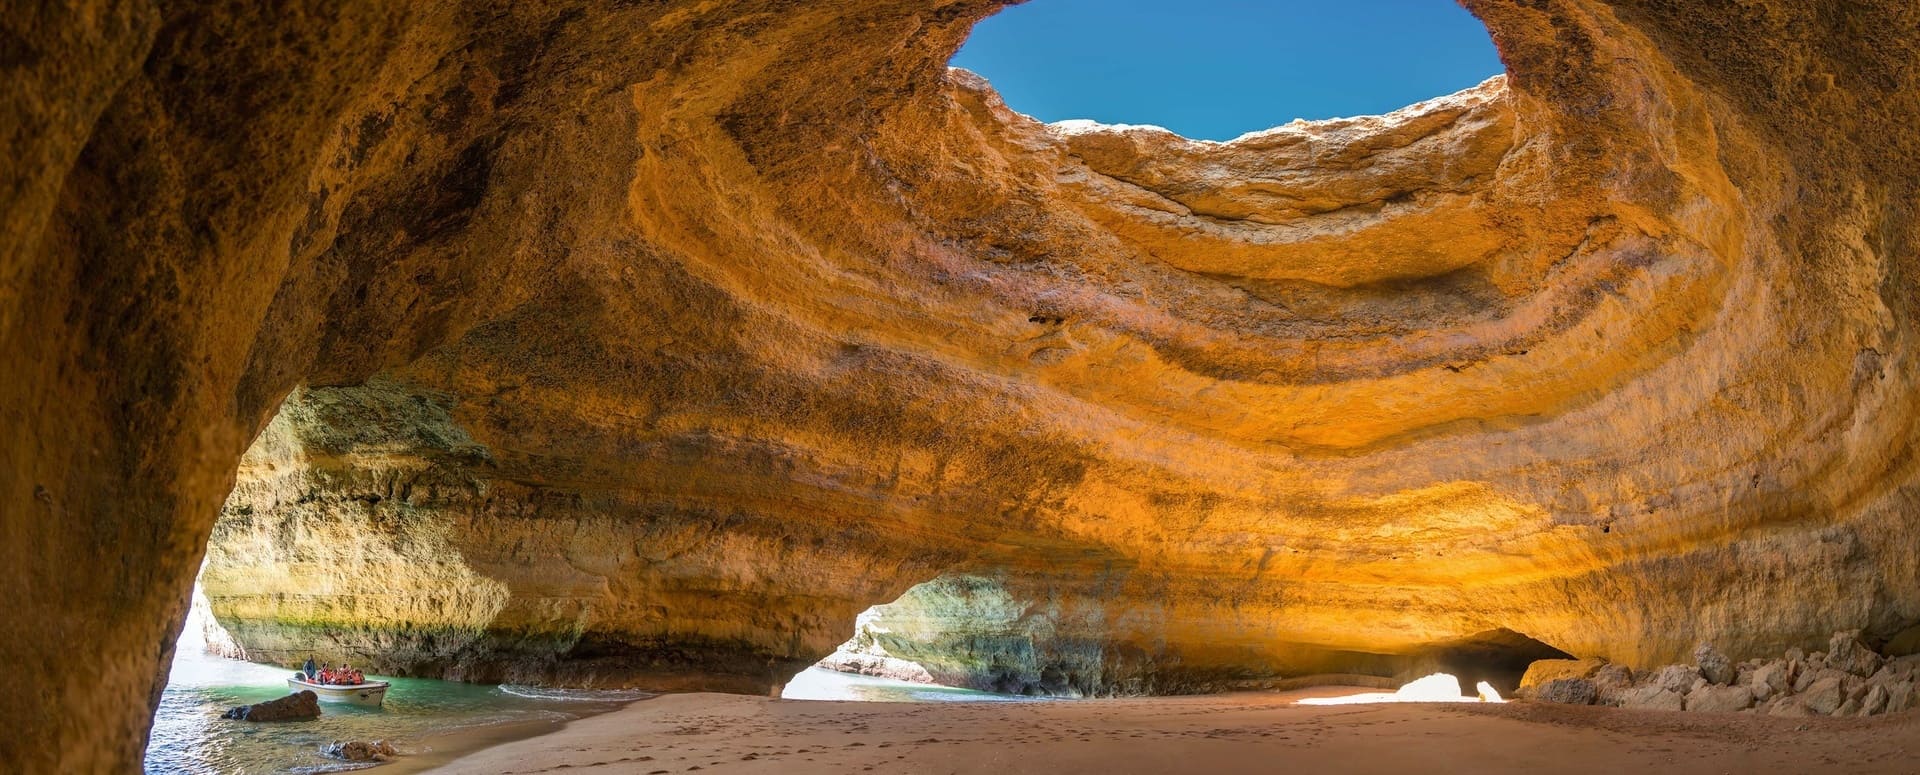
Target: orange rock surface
(722, 321)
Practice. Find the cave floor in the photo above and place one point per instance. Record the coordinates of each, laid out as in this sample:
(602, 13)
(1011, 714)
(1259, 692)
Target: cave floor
(1225, 733)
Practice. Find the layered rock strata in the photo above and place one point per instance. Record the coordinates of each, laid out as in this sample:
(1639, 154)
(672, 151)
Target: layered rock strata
(1615, 353)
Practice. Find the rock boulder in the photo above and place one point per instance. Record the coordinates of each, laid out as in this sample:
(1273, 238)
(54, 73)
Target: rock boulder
(359, 751)
(1544, 670)
(1824, 696)
(1567, 691)
(1769, 679)
(1715, 698)
(299, 706)
(1678, 679)
(1654, 697)
(1847, 654)
(1713, 666)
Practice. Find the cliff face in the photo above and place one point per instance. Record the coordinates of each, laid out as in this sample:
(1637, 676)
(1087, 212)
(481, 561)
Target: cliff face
(368, 526)
(669, 336)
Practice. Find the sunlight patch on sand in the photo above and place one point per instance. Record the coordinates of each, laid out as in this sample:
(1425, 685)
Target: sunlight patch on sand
(1439, 687)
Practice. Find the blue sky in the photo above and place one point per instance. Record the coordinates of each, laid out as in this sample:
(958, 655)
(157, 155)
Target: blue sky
(1214, 69)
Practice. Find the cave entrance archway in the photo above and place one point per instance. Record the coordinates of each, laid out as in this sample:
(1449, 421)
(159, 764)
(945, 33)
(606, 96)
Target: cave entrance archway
(957, 637)
(1499, 657)
(1214, 69)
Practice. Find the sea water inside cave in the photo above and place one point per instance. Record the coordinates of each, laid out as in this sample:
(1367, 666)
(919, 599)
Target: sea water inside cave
(189, 736)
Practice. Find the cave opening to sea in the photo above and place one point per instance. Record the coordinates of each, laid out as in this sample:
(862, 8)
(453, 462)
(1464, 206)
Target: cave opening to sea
(1217, 69)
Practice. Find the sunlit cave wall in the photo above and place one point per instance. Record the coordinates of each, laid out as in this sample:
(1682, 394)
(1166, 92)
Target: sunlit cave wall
(761, 316)
(368, 526)
(1508, 359)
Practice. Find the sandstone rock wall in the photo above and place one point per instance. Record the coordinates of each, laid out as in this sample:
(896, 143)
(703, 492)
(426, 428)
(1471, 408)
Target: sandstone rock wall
(1616, 354)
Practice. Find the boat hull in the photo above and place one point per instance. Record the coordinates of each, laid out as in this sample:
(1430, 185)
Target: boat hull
(371, 693)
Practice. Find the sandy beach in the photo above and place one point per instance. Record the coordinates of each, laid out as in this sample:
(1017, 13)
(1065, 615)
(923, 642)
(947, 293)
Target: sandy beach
(1249, 733)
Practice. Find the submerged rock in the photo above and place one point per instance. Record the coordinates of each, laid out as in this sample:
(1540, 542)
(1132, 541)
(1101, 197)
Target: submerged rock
(299, 706)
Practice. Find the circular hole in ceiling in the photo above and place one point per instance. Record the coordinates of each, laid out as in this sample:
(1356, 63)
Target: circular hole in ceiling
(1216, 69)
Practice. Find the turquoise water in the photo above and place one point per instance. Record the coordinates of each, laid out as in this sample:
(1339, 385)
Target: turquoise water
(190, 737)
(821, 684)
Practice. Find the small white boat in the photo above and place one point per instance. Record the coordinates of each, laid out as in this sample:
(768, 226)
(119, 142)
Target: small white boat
(369, 693)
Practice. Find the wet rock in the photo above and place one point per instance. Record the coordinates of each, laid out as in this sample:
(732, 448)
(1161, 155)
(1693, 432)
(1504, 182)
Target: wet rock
(1654, 698)
(1714, 698)
(299, 706)
(359, 751)
(1543, 671)
(1846, 653)
(1567, 691)
(1713, 665)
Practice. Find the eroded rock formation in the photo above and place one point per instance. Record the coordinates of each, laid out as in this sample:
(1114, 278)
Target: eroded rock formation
(731, 319)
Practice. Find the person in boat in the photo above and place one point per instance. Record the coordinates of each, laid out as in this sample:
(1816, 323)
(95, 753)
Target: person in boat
(347, 675)
(326, 674)
(309, 668)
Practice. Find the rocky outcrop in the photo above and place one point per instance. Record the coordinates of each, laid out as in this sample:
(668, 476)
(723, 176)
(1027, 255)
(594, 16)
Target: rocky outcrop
(369, 527)
(1567, 691)
(750, 315)
(298, 706)
(1856, 682)
(1546, 670)
(359, 751)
